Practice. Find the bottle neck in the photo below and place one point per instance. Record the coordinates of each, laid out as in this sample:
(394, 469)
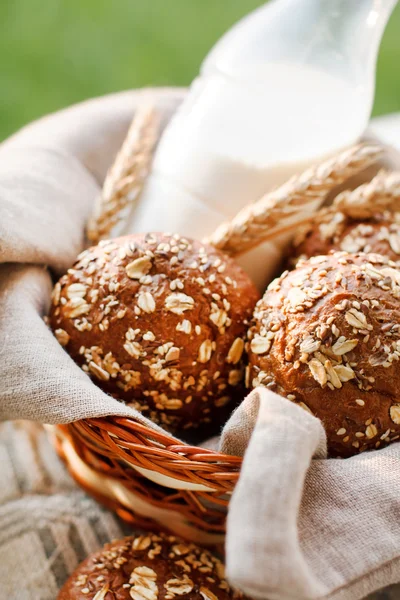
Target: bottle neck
(346, 36)
(338, 36)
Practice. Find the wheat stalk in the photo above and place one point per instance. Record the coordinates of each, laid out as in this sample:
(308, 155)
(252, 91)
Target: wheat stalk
(126, 177)
(284, 209)
(381, 193)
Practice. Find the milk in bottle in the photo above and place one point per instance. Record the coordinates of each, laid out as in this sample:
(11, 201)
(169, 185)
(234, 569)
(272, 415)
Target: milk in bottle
(278, 93)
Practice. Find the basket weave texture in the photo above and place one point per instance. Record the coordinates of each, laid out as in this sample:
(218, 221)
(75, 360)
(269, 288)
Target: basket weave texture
(115, 447)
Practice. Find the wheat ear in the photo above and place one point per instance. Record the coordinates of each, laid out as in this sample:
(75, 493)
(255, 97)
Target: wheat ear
(381, 193)
(126, 177)
(290, 205)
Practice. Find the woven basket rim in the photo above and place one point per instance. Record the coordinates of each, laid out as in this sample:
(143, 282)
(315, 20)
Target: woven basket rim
(124, 438)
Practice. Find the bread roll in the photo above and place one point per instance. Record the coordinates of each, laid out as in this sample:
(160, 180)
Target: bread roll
(327, 336)
(158, 321)
(149, 567)
(335, 231)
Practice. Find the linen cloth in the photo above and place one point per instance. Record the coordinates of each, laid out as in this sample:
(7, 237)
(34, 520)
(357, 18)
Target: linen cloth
(47, 524)
(50, 175)
(300, 526)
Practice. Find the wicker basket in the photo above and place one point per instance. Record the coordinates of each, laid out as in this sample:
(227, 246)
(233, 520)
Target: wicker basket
(145, 476)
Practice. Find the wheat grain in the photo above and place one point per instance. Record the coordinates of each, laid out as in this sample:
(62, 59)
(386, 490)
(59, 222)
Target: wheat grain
(381, 193)
(125, 179)
(288, 206)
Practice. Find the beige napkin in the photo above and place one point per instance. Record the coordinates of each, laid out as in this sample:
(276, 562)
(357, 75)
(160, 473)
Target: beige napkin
(50, 175)
(47, 524)
(299, 527)
(303, 527)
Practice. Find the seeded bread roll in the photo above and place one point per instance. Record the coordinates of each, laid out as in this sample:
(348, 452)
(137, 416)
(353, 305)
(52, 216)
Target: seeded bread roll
(158, 321)
(327, 336)
(336, 231)
(149, 567)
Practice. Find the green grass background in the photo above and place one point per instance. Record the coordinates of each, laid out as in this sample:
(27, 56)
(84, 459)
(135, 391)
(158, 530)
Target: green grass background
(56, 52)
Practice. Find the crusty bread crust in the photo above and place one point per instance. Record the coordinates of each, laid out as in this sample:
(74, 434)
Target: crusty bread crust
(327, 336)
(335, 231)
(149, 567)
(158, 321)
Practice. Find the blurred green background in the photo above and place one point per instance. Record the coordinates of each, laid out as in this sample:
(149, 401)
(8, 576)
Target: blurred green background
(56, 52)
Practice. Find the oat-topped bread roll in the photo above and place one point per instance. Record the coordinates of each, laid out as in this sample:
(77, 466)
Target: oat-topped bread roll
(337, 231)
(327, 336)
(149, 567)
(158, 321)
